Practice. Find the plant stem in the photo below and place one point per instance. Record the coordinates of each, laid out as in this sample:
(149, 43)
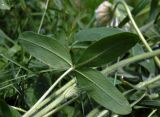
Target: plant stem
(19, 109)
(58, 108)
(129, 91)
(93, 113)
(68, 93)
(146, 83)
(52, 105)
(130, 60)
(58, 92)
(152, 113)
(138, 31)
(103, 113)
(62, 89)
(42, 20)
(48, 91)
(134, 103)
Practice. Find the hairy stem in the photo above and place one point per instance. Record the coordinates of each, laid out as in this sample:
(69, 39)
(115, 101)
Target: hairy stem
(53, 104)
(68, 93)
(59, 107)
(51, 97)
(130, 60)
(47, 92)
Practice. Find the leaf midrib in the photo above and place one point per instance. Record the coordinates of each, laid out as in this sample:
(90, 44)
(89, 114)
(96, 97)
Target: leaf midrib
(98, 86)
(48, 50)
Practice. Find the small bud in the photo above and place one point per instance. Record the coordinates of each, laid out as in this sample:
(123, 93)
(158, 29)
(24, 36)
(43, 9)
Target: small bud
(71, 91)
(103, 13)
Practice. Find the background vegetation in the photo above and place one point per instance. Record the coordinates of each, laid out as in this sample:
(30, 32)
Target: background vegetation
(58, 59)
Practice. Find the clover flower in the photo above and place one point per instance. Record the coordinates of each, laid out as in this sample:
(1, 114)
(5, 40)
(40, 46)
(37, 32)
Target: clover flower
(103, 13)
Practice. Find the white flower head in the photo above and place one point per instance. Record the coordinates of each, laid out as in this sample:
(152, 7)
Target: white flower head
(103, 13)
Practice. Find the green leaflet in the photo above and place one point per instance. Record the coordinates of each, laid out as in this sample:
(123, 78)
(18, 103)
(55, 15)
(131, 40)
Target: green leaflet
(95, 34)
(102, 91)
(46, 49)
(107, 49)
